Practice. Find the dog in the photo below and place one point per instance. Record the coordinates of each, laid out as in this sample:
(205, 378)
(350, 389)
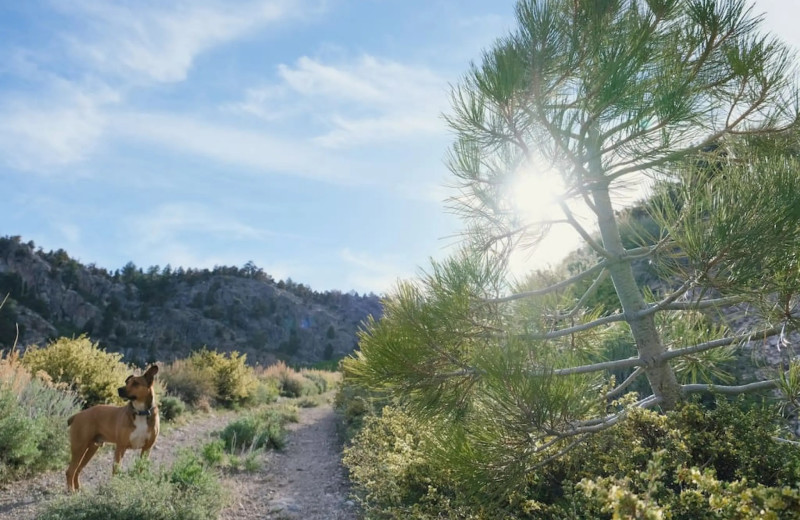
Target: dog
(133, 426)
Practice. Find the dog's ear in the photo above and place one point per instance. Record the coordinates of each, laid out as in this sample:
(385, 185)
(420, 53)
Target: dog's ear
(151, 374)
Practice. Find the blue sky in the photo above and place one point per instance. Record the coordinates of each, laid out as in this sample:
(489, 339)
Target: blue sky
(304, 135)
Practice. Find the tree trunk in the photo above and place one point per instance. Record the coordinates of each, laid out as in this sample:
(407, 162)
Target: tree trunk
(648, 342)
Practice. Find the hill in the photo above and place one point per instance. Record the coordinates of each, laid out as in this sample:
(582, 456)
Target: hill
(163, 314)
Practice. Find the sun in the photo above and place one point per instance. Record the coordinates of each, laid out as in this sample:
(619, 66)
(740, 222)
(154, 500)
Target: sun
(535, 194)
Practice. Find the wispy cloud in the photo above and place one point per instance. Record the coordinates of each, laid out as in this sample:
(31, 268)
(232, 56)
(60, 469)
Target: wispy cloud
(252, 150)
(168, 222)
(60, 128)
(59, 113)
(370, 273)
(363, 101)
(159, 41)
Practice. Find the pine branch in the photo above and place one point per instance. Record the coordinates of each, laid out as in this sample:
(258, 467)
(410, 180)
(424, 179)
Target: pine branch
(729, 390)
(616, 392)
(702, 347)
(586, 295)
(555, 287)
(715, 303)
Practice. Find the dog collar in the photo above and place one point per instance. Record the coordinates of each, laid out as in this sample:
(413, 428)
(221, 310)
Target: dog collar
(145, 413)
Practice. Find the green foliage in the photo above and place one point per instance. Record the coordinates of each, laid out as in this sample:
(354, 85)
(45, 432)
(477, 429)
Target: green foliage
(213, 453)
(208, 376)
(91, 372)
(689, 464)
(256, 430)
(32, 421)
(192, 382)
(188, 491)
(171, 407)
(291, 383)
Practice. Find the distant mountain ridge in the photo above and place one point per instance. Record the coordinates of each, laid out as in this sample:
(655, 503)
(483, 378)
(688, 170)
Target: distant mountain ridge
(164, 313)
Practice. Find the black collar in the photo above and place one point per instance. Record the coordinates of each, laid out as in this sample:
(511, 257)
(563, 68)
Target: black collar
(146, 413)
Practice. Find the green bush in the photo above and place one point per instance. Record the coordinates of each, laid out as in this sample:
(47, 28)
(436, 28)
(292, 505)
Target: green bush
(264, 429)
(33, 418)
(207, 376)
(93, 373)
(188, 491)
(265, 392)
(213, 452)
(192, 382)
(298, 386)
(171, 408)
(693, 463)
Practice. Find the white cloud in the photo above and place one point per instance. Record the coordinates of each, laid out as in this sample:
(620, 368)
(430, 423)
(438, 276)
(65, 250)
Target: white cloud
(169, 222)
(364, 101)
(368, 273)
(249, 149)
(63, 128)
(159, 41)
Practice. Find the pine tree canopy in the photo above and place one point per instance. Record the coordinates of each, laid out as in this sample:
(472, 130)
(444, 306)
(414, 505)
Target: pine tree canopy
(689, 96)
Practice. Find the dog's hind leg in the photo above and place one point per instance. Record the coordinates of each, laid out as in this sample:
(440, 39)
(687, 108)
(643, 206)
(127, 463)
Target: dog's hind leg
(90, 451)
(76, 463)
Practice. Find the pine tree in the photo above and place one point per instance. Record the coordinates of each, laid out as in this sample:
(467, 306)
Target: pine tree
(687, 94)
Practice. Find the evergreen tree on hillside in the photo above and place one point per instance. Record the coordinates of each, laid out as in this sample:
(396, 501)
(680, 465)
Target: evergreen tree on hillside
(608, 93)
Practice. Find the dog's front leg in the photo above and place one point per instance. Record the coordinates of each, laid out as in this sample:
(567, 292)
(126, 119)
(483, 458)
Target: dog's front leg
(118, 454)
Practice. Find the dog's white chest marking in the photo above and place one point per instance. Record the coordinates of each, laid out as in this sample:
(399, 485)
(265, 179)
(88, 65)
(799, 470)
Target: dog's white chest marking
(140, 434)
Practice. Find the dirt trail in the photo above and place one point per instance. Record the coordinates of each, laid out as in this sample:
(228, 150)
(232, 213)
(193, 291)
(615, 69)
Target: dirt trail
(304, 481)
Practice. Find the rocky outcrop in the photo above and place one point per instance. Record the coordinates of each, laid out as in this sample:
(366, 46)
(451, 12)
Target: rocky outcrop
(163, 314)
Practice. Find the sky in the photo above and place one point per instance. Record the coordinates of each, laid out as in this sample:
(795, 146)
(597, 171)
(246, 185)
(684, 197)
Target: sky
(305, 136)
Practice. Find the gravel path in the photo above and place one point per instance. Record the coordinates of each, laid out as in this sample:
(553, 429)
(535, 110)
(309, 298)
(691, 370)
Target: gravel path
(305, 480)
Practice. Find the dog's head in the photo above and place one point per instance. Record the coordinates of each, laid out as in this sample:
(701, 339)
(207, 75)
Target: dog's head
(139, 388)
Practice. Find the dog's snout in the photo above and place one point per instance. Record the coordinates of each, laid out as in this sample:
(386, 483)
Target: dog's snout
(123, 392)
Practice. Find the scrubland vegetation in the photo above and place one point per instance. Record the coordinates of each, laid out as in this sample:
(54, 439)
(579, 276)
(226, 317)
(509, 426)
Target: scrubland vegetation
(42, 388)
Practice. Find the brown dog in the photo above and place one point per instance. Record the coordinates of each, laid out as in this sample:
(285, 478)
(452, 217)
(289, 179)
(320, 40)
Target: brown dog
(133, 426)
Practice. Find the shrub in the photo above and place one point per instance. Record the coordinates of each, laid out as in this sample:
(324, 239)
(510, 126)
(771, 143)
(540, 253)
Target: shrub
(93, 373)
(171, 408)
(296, 385)
(264, 429)
(692, 463)
(33, 416)
(192, 382)
(209, 376)
(188, 491)
(308, 402)
(214, 452)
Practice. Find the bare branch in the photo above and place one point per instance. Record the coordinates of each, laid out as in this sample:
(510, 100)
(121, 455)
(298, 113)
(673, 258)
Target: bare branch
(547, 290)
(589, 292)
(605, 320)
(625, 384)
(597, 367)
(600, 250)
(729, 390)
(702, 347)
(704, 304)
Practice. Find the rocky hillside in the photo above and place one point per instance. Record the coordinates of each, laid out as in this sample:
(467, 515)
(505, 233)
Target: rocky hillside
(162, 314)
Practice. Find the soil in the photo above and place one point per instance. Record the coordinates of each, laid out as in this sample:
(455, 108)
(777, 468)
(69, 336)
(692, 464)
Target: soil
(304, 480)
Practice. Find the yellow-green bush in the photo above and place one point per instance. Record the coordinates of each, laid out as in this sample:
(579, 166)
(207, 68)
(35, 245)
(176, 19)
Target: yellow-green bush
(690, 464)
(208, 375)
(291, 383)
(90, 371)
(191, 382)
